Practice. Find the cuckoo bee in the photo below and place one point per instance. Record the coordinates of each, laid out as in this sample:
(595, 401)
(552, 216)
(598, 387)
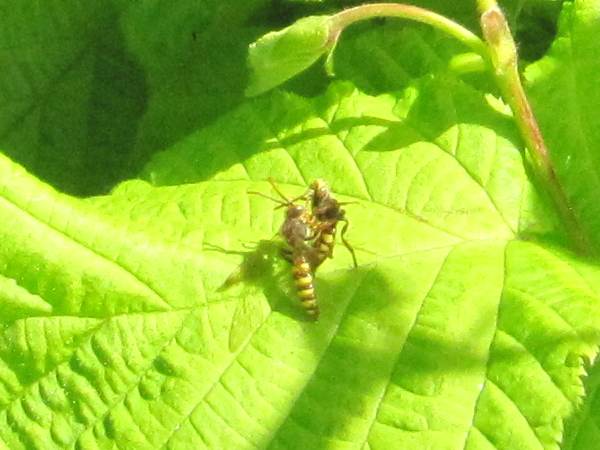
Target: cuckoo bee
(326, 213)
(297, 231)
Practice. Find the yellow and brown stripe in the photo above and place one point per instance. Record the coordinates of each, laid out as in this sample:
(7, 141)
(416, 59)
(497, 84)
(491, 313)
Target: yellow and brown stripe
(324, 242)
(303, 279)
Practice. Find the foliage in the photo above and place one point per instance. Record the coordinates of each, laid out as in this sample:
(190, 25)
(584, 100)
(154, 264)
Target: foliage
(469, 323)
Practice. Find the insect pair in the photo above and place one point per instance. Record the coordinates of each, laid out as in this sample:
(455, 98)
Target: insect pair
(309, 231)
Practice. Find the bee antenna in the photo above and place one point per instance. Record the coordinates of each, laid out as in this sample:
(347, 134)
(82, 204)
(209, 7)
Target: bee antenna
(282, 203)
(276, 200)
(288, 202)
(272, 181)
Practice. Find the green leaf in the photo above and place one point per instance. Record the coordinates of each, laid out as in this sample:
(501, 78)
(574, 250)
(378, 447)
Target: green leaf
(562, 88)
(279, 55)
(88, 93)
(92, 309)
(582, 429)
(71, 93)
(534, 26)
(359, 134)
(390, 56)
(143, 320)
(193, 54)
(452, 333)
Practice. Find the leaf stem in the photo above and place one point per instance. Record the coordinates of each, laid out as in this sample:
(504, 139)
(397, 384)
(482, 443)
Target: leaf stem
(500, 52)
(504, 61)
(369, 11)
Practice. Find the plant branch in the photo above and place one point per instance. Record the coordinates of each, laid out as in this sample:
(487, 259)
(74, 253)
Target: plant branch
(504, 61)
(369, 11)
(500, 52)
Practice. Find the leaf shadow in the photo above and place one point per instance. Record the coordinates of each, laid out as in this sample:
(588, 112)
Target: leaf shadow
(89, 106)
(428, 117)
(354, 369)
(263, 269)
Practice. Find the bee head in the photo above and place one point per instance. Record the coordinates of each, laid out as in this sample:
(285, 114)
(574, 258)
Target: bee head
(320, 191)
(330, 212)
(295, 211)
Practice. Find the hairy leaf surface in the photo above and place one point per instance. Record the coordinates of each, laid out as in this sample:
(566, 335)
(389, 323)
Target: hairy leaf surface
(88, 92)
(563, 89)
(449, 327)
(163, 315)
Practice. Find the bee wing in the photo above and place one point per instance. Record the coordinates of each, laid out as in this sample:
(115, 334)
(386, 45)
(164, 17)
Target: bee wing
(249, 314)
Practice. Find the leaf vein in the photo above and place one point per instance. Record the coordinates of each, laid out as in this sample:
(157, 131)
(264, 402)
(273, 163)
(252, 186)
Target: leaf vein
(188, 415)
(385, 390)
(531, 428)
(342, 143)
(301, 389)
(473, 425)
(86, 248)
(137, 381)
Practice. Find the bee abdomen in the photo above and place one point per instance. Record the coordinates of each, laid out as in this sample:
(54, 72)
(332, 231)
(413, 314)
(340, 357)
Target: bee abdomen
(324, 244)
(303, 279)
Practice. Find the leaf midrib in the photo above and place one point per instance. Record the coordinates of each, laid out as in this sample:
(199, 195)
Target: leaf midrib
(162, 303)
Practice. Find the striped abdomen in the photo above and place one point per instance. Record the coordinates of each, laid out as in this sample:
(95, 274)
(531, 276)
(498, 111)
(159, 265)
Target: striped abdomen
(324, 243)
(303, 279)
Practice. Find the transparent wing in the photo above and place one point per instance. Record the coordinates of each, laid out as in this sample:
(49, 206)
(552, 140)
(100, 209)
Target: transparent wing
(249, 314)
(259, 268)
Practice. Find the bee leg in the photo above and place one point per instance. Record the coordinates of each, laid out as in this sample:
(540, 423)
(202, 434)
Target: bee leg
(347, 244)
(287, 254)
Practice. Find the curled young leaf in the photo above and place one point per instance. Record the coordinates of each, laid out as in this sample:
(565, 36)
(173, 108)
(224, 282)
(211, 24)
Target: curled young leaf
(278, 56)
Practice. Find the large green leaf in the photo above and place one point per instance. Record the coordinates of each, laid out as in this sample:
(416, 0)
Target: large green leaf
(194, 57)
(566, 80)
(466, 325)
(452, 332)
(583, 429)
(563, 90)
(90, 91)
(396, 54)
(71, 92)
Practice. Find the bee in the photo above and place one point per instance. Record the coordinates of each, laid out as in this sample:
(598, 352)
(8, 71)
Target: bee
(326, 213)
(298, 232)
